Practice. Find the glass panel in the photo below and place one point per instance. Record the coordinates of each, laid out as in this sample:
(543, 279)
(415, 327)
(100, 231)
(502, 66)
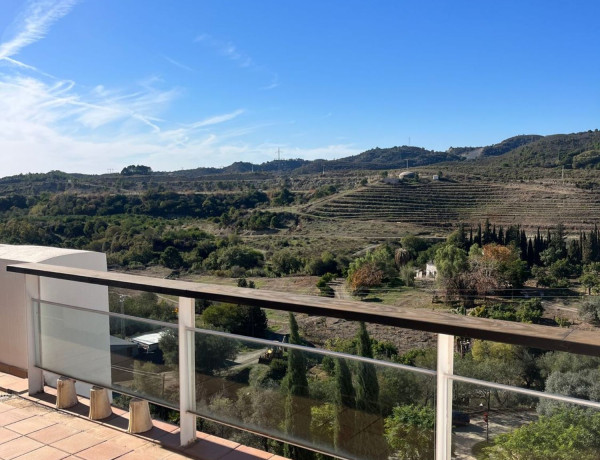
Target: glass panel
(556, 372)
(140, 304)
(336, 405)
(78, 344)
(497, 424)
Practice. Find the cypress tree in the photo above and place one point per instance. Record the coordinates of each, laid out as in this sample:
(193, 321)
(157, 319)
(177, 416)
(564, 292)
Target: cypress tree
(367, 386)
(368, 421)
(501, 236)
(345, 400)
(523, 245)
(297, 404)
(530, 253)
(487, 232)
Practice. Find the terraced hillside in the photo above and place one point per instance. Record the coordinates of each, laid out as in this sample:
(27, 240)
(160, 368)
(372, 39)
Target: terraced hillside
(445, 204)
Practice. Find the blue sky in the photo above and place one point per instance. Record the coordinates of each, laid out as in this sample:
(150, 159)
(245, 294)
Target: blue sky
(93, 85)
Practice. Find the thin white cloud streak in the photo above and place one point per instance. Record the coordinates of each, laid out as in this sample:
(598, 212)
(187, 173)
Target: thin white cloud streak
(51, 126)
(217, 119)
(34, 24)
(274, 83)
(177, 63)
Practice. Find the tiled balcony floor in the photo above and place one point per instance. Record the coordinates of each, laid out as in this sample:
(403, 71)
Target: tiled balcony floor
(31, 427)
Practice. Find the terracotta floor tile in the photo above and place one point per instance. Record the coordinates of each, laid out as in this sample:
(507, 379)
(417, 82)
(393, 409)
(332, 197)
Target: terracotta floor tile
(223, 442)
(149, 453)
(18, 447)
(79, 423)
(130, 441)
(7, 435)
(164, 426)
(29, 425)
(77, 443)
(58, 417)
(210, 448)
(120, 422)
(107, 450)
(20, 403)
(247, 453)
(45, 453)
(12, 416)
(154, 434)
(4, 407)
(19, 386)
(53, 433)
(103, 432)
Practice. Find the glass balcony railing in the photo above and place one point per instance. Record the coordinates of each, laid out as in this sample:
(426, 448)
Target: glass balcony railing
(355, 407)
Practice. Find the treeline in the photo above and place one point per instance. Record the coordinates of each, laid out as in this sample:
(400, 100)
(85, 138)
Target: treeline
(151, 203)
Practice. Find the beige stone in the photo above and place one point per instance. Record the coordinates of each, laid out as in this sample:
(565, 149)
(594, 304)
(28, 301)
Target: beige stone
(65, 393)
(99, 403)
(139, 416)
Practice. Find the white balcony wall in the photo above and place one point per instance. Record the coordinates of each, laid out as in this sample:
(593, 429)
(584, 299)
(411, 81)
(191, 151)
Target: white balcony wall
(90, 356)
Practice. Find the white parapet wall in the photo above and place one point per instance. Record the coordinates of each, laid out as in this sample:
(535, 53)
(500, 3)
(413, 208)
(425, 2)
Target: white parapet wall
(72, 342)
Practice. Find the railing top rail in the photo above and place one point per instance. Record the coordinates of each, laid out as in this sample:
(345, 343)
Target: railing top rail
(531, 335)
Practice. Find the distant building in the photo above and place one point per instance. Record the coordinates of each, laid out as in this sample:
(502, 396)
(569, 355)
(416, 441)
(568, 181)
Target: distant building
(430, 271)
(406, 175)
(148, 342)
(436, 177)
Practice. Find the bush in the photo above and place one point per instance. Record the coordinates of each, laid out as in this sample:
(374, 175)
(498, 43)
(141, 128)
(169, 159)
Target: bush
(590, 310)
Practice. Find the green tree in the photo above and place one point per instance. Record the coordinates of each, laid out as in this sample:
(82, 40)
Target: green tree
(452, 265)
(345, 399)
(171, 258)
(297, 403)
(211, 352)
(367, 386)
(285, 262)
(591, 277)
(590, 310)
(237, 319)
(566, 435)
(409, 432)
(368, 422)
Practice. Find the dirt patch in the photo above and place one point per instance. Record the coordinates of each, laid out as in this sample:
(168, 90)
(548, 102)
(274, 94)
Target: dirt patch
(317, 329)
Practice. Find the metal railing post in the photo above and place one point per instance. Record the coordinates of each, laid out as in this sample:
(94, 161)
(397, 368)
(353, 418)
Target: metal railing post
(35, 376)
(443, 414)
(187, 421)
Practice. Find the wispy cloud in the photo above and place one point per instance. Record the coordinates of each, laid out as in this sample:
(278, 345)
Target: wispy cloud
(226, 49)
(217, 119)
(274, 83)
(33, 24)
(177, 63)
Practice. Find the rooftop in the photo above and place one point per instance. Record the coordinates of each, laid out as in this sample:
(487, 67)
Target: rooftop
(31, 426)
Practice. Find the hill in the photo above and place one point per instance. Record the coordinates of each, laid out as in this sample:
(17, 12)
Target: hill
(568, 150)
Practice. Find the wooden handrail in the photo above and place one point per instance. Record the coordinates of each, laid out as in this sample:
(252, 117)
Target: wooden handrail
(530, 335)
